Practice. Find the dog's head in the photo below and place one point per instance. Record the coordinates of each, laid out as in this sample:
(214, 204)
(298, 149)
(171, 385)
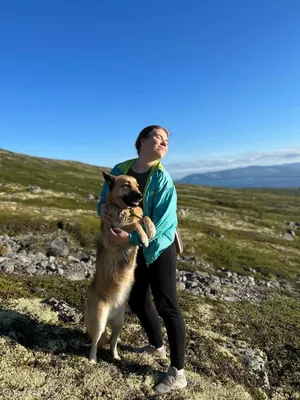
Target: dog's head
(123, 190)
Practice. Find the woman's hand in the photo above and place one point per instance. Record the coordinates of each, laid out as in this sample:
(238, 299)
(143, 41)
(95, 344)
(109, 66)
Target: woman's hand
(118, 237)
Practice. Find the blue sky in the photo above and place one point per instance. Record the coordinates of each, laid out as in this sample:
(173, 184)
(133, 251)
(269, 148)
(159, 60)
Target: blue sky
(80, 79)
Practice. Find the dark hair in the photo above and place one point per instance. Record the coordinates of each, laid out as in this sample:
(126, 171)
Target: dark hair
(145, 133)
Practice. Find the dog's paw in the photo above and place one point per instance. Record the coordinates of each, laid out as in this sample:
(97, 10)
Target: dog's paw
(145, 241)
(149, 227)
(151, 231)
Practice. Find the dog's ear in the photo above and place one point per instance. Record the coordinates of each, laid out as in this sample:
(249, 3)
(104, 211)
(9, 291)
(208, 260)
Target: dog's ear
(110, 179)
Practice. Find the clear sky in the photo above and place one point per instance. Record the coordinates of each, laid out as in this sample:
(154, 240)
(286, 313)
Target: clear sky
(80, 79)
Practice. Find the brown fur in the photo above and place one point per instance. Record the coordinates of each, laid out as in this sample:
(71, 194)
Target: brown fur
(115, 265)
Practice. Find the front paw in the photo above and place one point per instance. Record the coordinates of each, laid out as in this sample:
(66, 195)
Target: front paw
(144, 240)
(149, 227)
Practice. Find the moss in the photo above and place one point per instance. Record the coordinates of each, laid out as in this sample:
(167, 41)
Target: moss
(84, 229)
(24, 222)
(73, 293)
(274, 327)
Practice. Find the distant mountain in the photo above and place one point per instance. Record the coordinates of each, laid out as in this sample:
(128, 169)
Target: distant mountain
(274, 176)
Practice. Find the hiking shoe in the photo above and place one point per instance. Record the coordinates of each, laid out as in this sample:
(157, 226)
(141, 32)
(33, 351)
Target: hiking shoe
(149, 349)
(171, 381)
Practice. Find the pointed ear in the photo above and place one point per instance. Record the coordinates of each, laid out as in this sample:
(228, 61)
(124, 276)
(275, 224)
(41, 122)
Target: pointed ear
(110, 179)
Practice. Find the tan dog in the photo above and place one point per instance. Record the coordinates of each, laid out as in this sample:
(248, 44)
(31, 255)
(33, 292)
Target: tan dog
(115, 265)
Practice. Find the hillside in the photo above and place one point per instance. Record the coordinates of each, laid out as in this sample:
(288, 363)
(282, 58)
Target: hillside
(59, 175)
(274, 176)
(238, 284)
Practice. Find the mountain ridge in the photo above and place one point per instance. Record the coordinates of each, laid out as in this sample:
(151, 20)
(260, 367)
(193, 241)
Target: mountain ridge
(281, 176)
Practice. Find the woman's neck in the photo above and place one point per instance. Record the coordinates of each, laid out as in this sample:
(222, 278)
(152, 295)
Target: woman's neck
(142, 165)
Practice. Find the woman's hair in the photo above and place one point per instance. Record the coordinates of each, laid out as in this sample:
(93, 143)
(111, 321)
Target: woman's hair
(145, 133)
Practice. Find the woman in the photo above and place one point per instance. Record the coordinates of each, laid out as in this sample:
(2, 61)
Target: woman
(156, 264)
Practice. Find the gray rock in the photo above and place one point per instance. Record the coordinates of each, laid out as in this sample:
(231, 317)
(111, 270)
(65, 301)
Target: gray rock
(65, 312)
(74, 259)
(203, 275)
(251, 280)
(51, 267)
(34, 189)
(181, 212)
(291, 232)
(191, 284)
(57, 248)
(7, 268)
(180, 286)
(75, 275)
(286, 236)
(90, 197)
(229, 298)
(31, 270)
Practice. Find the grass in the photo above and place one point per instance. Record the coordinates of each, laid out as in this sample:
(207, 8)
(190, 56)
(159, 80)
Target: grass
(236, 229)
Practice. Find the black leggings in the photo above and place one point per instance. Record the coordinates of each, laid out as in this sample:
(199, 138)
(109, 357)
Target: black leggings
(160, 276)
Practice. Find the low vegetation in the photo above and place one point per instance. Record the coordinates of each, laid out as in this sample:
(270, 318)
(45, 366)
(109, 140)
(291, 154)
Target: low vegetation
(251, 232)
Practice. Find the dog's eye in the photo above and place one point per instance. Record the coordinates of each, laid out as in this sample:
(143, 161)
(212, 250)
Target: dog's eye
(127, 185)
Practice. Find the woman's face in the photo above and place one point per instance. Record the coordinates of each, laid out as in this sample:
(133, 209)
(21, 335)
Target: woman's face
(156, 144)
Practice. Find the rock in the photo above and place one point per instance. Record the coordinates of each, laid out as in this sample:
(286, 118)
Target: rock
(286, 236)
(181, 212)
(251, 280)
(75, 275)
(57, 248)
(65, 312)
(291, 232)
(90, 197)
(31, 270)
(290, 223)
(191, 284)
(256, 364)
(180, 286)
(34, 189)
(7, 268)
(73, 259)
(51, 267)
(203, 275)
(229, 298)
(217, 235)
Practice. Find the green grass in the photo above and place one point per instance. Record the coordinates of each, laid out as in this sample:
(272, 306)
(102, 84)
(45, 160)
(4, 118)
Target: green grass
(55, 202)
(58, 175)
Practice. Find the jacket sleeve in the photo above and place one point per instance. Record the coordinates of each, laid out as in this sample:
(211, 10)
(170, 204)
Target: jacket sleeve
(115, 171)
(164, 211)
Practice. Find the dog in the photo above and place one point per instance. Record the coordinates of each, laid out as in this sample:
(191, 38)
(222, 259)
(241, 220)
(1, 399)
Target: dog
(115, 265)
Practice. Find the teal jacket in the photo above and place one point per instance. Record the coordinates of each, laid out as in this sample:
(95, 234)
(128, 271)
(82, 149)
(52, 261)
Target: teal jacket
(159, 203)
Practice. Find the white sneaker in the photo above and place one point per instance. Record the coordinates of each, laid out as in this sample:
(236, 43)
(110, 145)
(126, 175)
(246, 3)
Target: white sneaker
(159, 353)
(171, 381)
